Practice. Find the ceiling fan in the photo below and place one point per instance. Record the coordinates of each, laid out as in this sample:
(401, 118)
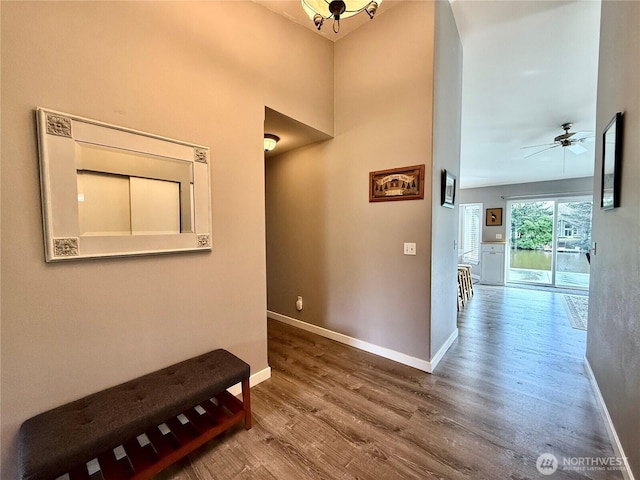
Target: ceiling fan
(571, 140)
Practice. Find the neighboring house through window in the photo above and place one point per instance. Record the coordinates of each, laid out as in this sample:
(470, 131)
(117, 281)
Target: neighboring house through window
(566, 229)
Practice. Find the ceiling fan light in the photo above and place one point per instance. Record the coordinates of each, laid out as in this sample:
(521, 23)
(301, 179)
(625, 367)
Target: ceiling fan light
(570, 140)
(270, 141)
(577, 149)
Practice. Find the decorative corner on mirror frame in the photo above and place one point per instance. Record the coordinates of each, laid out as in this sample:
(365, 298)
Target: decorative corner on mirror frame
(200, 155)
(203, 241)
(58, 125)
(65, 247)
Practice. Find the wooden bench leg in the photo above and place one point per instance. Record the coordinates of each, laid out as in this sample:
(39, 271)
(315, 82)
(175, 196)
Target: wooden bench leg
(246, 402)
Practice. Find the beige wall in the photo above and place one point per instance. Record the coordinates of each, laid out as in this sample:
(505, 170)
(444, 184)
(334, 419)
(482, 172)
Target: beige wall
(447, 113)
(325, 241)
(383, 108)
(296, 218)
(201, 72)
(613, 338)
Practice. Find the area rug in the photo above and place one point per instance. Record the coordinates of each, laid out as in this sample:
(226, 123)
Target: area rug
(577, 310)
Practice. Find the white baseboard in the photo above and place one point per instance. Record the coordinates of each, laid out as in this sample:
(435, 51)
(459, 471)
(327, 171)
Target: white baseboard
(254, 380)
(443, 349)
(420, 364)
(611, 429)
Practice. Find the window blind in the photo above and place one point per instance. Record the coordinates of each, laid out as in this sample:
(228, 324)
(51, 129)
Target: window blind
(470, 232)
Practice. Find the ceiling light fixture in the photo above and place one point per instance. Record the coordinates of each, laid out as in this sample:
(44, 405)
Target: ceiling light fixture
(270, 141)
(320, 10)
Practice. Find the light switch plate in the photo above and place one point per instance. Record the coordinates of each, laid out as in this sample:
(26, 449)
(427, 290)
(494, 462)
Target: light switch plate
(498, 236)
(409, 248)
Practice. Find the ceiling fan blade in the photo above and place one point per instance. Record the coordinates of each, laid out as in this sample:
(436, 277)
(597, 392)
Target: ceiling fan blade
(580, 136)
(543, 150)
(577, 149)
(590, 139)
(538, 146)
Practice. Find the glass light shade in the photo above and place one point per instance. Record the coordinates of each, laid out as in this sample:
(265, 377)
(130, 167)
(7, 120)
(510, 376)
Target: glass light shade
(311, 7)
(270, 142)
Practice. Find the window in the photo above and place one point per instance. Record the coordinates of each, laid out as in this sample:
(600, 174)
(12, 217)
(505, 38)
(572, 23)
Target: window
(470, 232)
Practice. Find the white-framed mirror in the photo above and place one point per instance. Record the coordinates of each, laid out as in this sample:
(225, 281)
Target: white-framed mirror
(112, 191)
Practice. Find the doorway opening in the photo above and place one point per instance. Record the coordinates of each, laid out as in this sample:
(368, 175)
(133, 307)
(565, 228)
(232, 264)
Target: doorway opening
(549, 241)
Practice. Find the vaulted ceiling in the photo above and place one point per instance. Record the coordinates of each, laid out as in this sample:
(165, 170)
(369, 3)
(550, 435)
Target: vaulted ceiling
(528, 67)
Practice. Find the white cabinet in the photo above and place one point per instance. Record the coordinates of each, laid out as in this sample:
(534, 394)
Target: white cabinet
(492, 263)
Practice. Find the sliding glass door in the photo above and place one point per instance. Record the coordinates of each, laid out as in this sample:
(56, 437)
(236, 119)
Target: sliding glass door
(531, 258)
(548, 242)
(573, 240)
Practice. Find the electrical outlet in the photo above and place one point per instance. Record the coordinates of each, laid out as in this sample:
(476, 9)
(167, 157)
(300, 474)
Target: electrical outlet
(409, 248)
(299, 304)
(498, 236)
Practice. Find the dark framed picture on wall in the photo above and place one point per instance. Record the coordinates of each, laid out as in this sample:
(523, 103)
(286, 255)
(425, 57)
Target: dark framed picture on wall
(611, 163)
(494, 217)
(405, 183)
(448, 191)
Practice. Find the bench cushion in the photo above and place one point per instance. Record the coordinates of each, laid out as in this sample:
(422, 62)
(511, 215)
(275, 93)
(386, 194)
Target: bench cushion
(53, 441)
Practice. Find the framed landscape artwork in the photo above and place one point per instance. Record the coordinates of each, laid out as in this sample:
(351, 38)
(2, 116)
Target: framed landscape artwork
(405, 183)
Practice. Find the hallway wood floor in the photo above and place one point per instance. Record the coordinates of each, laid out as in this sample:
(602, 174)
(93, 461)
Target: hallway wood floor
(511, 387)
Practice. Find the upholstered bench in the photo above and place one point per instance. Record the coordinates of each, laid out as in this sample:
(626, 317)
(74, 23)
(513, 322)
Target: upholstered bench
(136, 429)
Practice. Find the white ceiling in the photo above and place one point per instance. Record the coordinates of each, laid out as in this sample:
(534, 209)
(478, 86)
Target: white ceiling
(292, 133)
(528, 67)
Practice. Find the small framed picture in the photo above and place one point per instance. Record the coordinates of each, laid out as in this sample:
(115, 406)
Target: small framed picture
(494, 217)
(448, 193)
